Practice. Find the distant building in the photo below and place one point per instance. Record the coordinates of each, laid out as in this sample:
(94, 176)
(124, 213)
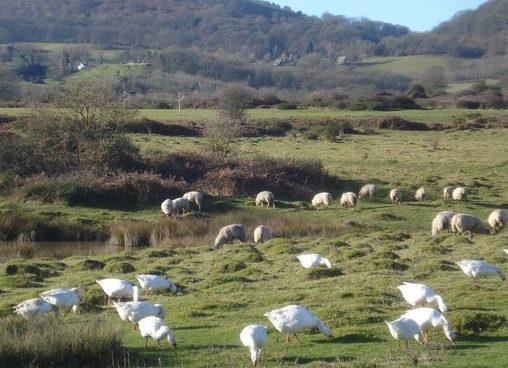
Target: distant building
(342, 60)
(82, 65)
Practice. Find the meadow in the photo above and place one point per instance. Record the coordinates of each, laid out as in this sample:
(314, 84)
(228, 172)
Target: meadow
(425, 116)
(373, 248)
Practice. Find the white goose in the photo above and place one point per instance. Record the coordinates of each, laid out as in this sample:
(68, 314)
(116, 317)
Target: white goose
(254, 337)
(476, 269)
(313, 260)
(136, 311)
(506, 251)
(420, 293)
(154, 327)
(34, 308)
(63, 298)
(117, 288)
(292, 319)
(154, 282)
(428, 318)
(404, 329)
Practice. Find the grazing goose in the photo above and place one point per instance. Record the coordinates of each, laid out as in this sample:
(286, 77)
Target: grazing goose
(294, 318)
(63, 298)
(313, 260)
(154, 327)
(34, 308)
(154, 282)
(420, 293)
(427, 318)
(116, 288)
(476, 269)
(404, 329)
(254, 337)
(135, 311)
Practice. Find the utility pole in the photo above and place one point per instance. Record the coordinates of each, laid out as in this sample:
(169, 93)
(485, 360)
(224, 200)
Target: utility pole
(181, 96)
(126, 96)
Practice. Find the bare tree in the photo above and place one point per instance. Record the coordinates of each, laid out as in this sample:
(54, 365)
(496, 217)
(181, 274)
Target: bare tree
(95, 105)
(234, 101)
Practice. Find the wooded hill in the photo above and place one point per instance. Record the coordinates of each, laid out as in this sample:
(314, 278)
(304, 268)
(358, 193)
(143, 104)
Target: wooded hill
(198, 46)
(254, 29)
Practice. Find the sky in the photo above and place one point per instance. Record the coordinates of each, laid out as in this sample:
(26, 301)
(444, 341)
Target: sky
(418, 15)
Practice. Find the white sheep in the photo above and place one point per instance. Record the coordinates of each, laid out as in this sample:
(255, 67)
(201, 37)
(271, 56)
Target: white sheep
(462, 223)
(167, 207)
(262, 233)
(448, 193)
(196, 197)
(396, 196)
(229, 233)
(265, 197)
(368, 191)
(442, 222)
(348, 199)
(181, 204)
(497, 220)
(460, 194)
(322, 198)
(420, 194)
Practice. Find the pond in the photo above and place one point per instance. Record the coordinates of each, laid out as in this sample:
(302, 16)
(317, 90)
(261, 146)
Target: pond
(59, 250)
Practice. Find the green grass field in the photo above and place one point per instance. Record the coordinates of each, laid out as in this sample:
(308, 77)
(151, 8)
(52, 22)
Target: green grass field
(425, 116)
(410, 65)
(374, 246)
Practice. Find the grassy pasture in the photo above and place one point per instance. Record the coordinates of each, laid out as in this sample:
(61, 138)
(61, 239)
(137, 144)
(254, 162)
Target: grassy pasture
(375, 247)
(410, 65)
(424, 116)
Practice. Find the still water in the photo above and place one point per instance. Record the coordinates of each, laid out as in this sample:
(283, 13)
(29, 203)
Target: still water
(9, 250)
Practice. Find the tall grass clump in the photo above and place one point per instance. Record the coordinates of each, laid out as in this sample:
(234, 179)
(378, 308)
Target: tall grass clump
(50, 342)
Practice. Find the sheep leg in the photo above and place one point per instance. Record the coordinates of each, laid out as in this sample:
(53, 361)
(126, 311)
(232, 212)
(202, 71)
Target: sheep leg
(146, 342)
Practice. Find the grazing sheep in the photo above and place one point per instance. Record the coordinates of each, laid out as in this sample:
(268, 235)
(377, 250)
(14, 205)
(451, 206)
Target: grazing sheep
(322, 198)
(348, 199)
(368, 191)
(460, 194)
(420, 194)
(262, 233)
(265, 197)
(167, 207)
(181, 204)
(448, 193)
(229, 233)
(497, 220)
(196, 197)
(462, 223)
(442, 222)
(396, 196)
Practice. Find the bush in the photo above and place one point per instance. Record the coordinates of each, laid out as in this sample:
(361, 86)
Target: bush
(328, 132)
(287, 106)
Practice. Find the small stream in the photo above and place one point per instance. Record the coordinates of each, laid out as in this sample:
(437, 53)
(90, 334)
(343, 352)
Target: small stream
(59, 250)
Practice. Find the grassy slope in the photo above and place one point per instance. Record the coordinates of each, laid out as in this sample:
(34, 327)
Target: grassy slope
(426, 116)
(216, 304)
(410, 65)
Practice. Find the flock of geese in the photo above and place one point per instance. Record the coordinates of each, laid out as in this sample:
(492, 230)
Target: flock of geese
(289, 320)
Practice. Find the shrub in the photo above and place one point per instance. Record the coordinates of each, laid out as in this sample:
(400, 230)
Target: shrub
(287, 106)
(119, 267)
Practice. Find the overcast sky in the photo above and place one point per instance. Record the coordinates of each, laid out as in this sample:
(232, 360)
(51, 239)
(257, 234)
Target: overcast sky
(418, 15)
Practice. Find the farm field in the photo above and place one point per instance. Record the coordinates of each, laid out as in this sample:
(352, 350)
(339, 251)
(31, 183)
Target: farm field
(373, 248)
(424, 116)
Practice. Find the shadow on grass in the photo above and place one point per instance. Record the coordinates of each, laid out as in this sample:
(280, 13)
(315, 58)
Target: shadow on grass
(199, 327)
(482, 339)
(492, 205)
(351, 339)
(305, 360)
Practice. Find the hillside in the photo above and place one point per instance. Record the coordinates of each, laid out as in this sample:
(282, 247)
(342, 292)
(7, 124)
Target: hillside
(253, 29)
